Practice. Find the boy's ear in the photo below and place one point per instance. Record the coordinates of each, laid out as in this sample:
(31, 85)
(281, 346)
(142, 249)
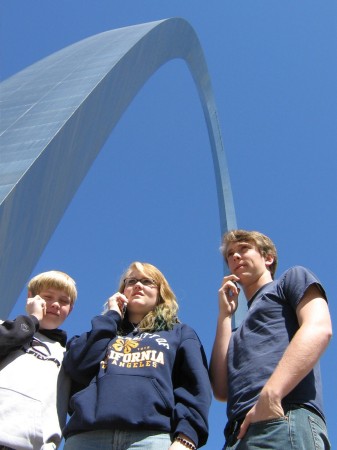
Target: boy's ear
(269, 259)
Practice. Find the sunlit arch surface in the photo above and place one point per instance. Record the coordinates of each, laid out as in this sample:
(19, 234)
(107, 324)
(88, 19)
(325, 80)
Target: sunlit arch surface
(56, 116)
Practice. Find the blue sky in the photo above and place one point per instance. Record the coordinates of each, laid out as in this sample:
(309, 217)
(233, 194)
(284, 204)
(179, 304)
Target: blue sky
(151, 193)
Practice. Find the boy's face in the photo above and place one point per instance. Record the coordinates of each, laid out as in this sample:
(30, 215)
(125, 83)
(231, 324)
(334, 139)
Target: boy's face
(245, 261)
(58, 307)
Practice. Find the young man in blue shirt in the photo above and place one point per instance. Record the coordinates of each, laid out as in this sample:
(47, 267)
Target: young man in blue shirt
(268, 368)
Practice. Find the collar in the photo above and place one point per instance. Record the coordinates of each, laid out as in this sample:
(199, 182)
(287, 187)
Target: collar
(56, 335)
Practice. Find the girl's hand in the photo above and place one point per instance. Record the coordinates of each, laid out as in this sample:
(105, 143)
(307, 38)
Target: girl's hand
(176, 445)
(117, 302)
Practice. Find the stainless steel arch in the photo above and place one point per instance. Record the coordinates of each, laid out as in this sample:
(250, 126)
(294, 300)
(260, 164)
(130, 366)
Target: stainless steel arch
(48, 114)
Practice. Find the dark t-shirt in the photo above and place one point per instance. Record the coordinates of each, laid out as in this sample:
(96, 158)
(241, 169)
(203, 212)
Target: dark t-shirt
(261, 339)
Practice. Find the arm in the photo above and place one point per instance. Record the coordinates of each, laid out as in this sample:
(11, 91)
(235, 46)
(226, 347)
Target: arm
(218, 364)
(84, 353)
(192, 391)
(303, 352)
(15, 333)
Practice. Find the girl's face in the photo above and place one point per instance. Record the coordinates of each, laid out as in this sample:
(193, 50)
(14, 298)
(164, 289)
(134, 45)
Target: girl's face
(142, 293)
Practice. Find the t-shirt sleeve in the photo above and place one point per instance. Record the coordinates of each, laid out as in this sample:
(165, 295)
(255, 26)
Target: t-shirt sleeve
(295, 283)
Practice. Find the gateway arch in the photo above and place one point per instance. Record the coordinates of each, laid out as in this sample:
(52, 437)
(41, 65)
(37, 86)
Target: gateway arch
(57, 114)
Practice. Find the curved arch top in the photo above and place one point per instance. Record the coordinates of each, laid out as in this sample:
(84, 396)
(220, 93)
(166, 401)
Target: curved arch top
(62, 109)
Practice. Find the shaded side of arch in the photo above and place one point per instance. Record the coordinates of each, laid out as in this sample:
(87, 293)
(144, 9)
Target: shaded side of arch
(56, 116)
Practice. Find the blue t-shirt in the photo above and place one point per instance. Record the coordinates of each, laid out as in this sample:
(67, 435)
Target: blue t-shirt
(259, 342)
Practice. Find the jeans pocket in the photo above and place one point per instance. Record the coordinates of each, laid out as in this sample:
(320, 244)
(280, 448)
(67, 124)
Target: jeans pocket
(274, 421)
(319, 433)
(268, 432)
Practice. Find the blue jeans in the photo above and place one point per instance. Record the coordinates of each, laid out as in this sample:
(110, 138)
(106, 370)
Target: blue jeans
(299, 429)
(119, 440)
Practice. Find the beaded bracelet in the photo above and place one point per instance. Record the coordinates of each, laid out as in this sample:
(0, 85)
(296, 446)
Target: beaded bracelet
(186, 443)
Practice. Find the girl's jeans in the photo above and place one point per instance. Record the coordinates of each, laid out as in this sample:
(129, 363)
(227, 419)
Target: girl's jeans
(119, 440)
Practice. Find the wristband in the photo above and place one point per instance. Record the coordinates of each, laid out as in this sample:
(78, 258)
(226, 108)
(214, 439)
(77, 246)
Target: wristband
(186, 443)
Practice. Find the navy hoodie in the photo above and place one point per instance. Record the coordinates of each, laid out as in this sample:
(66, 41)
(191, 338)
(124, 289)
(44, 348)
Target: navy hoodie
(143, 380)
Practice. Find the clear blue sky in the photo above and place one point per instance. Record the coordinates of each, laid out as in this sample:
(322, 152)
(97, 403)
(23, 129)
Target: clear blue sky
(151, 195)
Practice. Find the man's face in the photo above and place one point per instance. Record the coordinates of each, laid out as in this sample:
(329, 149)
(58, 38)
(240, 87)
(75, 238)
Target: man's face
(246, 262)
(58, 307)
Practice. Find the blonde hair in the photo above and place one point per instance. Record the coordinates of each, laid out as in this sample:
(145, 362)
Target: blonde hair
(164, 315)
(53, 279)
(263, 243)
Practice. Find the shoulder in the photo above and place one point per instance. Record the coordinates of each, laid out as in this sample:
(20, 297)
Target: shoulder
(186, 331)
(296, 280)
(298, 274)
(298, 269)
(184, 328)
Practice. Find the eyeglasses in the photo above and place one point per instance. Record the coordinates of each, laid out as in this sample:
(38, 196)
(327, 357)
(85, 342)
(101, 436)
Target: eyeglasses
(148, 282)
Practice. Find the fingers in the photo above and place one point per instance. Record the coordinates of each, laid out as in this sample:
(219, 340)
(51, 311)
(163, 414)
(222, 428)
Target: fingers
(117, 302)
(243, 429)
(229, 286)
(230, 280)
(36, 306)
(228, 295)
(230, 289)
(260, 412)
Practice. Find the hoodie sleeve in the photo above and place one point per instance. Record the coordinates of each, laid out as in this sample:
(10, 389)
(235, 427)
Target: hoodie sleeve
(192, 389)
(84, 353)
(15, 333)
